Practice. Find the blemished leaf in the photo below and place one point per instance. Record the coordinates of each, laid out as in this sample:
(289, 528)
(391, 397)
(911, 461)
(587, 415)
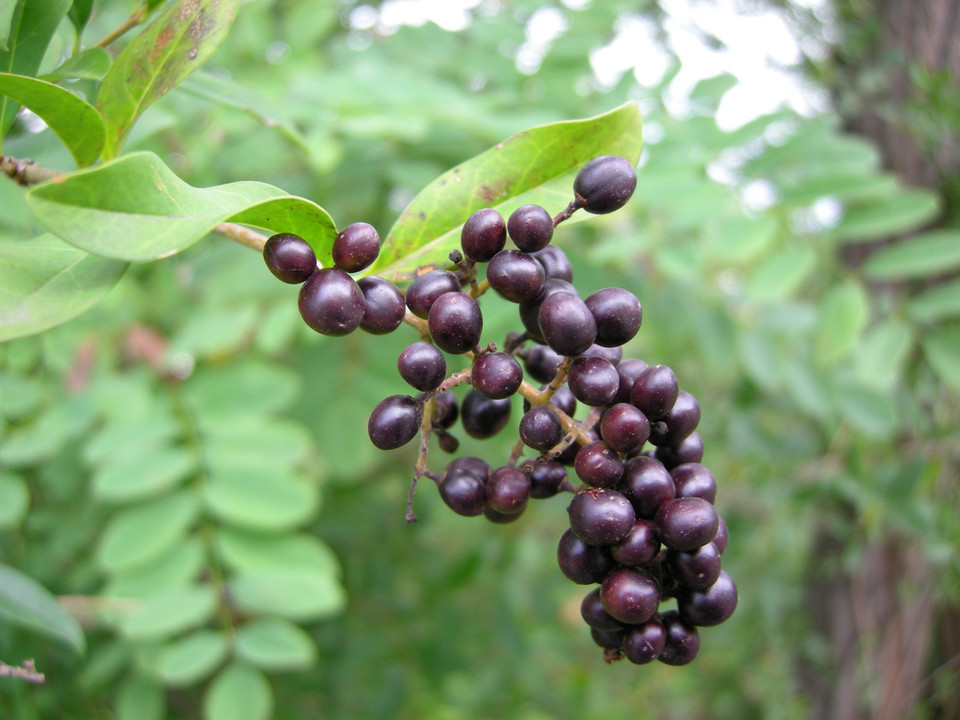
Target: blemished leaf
(170, 612)
(535, 166)
(294, 593)
(25, 603)
(942, 350)
(174, 44)
(91, 64)
(933, 253)
(192, 658)
(135, 208)
(45, 282)
(14, 500)
(936, 303)
(138, 534)
(141, 698)
(33, 24)
(887, 216)
(843, 314)
(276, 645)
(137, 478)
(239, 692)
(781, 274)
(259, 499)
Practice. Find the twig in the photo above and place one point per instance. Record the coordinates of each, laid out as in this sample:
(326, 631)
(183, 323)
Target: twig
(27, 672)
(243, 235)
(27, 172)
(136, 17)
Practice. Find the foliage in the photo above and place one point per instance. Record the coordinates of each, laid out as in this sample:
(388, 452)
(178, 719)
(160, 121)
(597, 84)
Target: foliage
(184, 466)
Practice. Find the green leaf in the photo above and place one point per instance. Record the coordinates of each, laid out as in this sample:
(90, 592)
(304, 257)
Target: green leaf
(123, 440)
(170, 612)
(259, 499)
(239, 692)
(843, 314)
(259, 442)
(91, 64)
(869, 411)
(25, 603)
(535, 166)
(781, 274)
(44, 437)
(932, 253)
(277, 645)
(192, 658)
(936, 303)
(141, 698)
(175, 43)
(241, 389)
(14, 500)
(19, 395)
(741, 239)
(7, 8)
(33, 24)
(896, 214)
(145, 475)
(248, 550)
(138, 534)
(45, 282)
(80, 13)
(296, 594)
(881, 354)
(942, 350)
(135, 208)
(179, 565)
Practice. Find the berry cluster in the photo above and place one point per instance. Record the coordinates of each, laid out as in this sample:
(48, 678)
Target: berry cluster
(642, 524)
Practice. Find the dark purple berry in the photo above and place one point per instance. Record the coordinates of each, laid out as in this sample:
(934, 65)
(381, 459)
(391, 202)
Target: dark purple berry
(677, 424)
(566, 323)
(644, 643)
(483, 235)
(478, 466)
(605, 184)
(495, 516)
(482, 417)
(542, 363)
(712, 606)
(508, 490)
(395, 421)
(600, 517)
(628, 370)
(612, 355)
(630, 595)
(356, 247)
(639, 547)
(722, 537)
(462, 491)
(555, 263)
(422, 365)
(445, 410)
(540, 428)
(455, 322)
(593, 380)
(564, 401)
(685, 524)
(618, 315)
(289, 257)
(655, 391)
(607, 639)
(647, 485)
(598, 466)
(530, 227)
(683, 640)
(426, 288)
(496, 375)
(624, 428)
(593, 614)
(331, 302)
(515, 276)
(582, 563)
(545, 478)
(530, 311)
(690, 450)
(696, 570)
(694, 480)
(383, 305)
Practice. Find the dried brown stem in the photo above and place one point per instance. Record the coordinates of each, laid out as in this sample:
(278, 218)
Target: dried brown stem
(27, 172)
(27, 671)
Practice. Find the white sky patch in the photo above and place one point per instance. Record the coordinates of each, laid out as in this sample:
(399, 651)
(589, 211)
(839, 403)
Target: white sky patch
(543, 27)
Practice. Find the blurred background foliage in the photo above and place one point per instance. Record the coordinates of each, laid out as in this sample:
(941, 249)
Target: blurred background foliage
(799, 272)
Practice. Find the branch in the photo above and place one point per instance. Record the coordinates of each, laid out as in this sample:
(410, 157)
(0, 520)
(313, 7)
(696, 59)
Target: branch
(136, 17)
(27, 172)
(243, 235)
(27, 672)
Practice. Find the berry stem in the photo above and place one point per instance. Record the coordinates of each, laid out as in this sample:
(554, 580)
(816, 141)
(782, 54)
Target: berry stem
(569, 210)
(420, 469)
(419, 323)
(243, 235)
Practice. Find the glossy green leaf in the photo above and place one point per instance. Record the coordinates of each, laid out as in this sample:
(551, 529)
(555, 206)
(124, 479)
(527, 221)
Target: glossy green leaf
(296, 594)
(174, 44)
(276, 645)
(886, 217)
(534, 166)
(14, 500)
(781, 274)
(91, 64)
(260, 499)
(33, 24)
(138, 534)
(45, 282)
(239, 692)
(135, 208)
(936, 303)
(80, 14)
(26, 603)
(181, 564)
(141, 698)
(170, 612)
(844, 312)
(881, 353)
(145, 475)
(192, 658)
(932, 253)
(942, 350)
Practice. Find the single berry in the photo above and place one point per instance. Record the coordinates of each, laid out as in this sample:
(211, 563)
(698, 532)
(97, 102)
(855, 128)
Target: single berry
(696, 570)
(515, 276)
(593, 614)
(289, 257)
(395, 421)
(712, 606)
(540, 428)
(496, 375)
(639, 547)
(687, 523)
(630, 595)
(483, 235)
(689, 450)
(593, 380)
(542, 363)
(356, 247)
(495, 516)
(508, 490)
(478, 466)
(612, 355)
(605, 184)
(682, 642)
(555, 263)
(722, 537)
(545, 478)
(598, 466)
(383, 305)
(422, 365)
(677, 424)
(647, 485)
(618, 315)
(445, 410)
(530, 227)
(455, 322)
(331, 302)
(600, 517)
(462, 491)
(608, 639)
(628, 370)
(566, 323)
(624, 428)
(655, 391)
(530, 311)
(426, 288)
(582, 563)
(694, 480)
(482, 417)
(644, 643)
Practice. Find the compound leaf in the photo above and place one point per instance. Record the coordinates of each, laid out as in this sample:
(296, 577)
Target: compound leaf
(191, 658)
(294, 593)
(239, 692)
(25, 603)
(275, 644)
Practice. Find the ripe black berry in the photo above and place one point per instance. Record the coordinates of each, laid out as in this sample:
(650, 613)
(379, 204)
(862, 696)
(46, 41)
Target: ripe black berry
(630, 595)
(582, 563)
(455, 322)
(289, 257)
(516, 276)
(445, 410)
(462, 491)
(496, 375)
(478, 466)
(647, 485)
(331, 302)
(395, 421)
(696, 570)
(530, 227)
(426, 288)
(628, 370)
(594, 615)
(624, 428)
(694, 480)
(593, 380)
(655, 391)
(644, 643)
(687, 523)
(555, 263)
(682, 642)
(605, 184)
(383, 305)
(530, 311)
(639, 547)
(711, 606)
(677, 424)
(542, 363)
(508, 490)
(598, 466)
(482, 417)
(600, 517)
(545, 478)
(618, 315)
(422, 365)
(356, 247)
(689, 450)
(483, 235)
(540, 428)
(566, 323)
